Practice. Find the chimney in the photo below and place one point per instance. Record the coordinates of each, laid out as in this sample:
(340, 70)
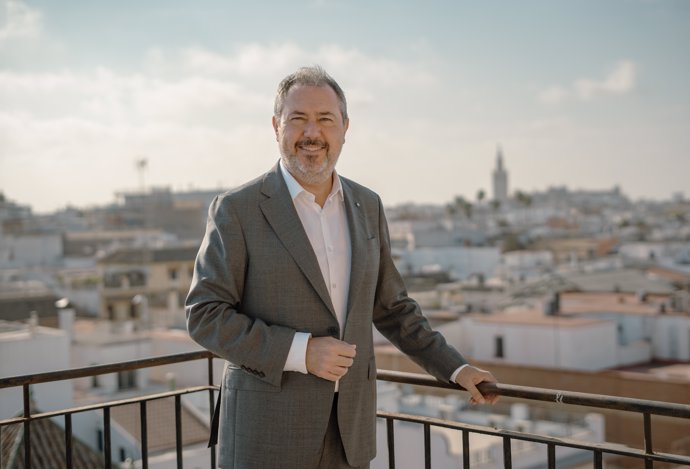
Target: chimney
(33, 322)
(552, 306)
(66, 315)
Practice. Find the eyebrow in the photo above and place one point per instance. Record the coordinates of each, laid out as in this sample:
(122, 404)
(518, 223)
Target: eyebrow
(302, 113)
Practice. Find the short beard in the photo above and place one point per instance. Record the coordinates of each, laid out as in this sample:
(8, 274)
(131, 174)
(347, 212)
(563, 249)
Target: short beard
(303, 174)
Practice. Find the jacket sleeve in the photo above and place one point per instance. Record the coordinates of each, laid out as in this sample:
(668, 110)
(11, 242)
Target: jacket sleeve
(399, 318)
(215, 318)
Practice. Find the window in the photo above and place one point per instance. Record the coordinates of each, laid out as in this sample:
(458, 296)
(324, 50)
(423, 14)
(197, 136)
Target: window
(127, 380)
(498, 347)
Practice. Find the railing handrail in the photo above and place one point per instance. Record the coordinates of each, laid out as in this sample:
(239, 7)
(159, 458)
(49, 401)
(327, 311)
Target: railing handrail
(93, 370)
(549, 395)
(508, 390)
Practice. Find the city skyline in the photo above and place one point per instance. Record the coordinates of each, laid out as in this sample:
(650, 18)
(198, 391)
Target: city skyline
(589, 95)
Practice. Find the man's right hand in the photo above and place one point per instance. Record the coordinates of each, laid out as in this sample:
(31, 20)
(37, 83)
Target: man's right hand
(329, 358)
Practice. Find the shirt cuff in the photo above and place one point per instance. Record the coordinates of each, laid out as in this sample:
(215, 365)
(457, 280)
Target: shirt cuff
(457, 372)
(297, 356)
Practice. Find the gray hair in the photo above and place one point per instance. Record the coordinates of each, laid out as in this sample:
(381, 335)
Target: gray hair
(308, 76)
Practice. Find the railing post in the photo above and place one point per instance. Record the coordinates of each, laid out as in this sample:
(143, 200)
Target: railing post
(211, 406)
(551, 451)
(391, 443)
(144, 435)
(68, 440)
(598, 460)
(648, 448)
(178, 430)
(465, 449)
(106, 438)
(427, 446)
(507, 455)
(27, 426)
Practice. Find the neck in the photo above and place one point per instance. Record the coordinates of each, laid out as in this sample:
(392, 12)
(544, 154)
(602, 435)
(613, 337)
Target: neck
(320, 191)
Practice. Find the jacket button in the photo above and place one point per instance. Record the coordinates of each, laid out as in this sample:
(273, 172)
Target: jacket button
(333, 331)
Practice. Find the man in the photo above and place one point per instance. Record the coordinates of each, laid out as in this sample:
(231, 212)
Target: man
(294, 269)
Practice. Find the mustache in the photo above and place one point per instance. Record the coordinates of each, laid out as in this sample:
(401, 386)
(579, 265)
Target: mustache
(311, 141)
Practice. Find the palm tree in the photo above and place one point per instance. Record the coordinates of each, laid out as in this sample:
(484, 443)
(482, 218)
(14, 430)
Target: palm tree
(480, 195)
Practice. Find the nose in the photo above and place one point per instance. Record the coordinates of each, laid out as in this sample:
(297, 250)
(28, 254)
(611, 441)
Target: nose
(311, 129)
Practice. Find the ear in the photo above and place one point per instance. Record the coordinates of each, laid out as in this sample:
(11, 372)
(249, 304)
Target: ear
(274, 122)
(346, 124)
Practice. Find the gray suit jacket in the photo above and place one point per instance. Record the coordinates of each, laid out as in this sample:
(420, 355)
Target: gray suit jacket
(256, 282)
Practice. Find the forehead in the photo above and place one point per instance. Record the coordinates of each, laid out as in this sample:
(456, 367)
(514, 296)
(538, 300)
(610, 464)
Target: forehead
(319, 99)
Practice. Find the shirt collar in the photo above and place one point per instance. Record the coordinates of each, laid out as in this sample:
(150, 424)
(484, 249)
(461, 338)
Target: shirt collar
(295, 188)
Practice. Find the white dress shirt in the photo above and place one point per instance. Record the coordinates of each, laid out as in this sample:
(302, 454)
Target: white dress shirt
(329, 236)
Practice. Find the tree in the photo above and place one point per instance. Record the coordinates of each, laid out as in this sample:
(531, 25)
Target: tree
(512, 242)
(523, 198)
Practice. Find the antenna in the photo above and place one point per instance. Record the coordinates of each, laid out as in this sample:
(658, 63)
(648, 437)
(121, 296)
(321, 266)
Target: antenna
(141, 165)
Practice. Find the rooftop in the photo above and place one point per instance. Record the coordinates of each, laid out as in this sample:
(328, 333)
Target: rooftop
(625, 303)
(47, 447)
(139, 255)
(161, 424)
(537, 318)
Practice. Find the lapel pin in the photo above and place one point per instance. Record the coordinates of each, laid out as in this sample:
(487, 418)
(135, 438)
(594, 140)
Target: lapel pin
(357, 204)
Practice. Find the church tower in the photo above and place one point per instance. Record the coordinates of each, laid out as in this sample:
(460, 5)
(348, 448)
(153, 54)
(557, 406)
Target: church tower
(500, 176)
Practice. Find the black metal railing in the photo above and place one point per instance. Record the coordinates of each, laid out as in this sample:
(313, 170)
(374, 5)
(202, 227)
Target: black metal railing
(27, 418)
(644, 407)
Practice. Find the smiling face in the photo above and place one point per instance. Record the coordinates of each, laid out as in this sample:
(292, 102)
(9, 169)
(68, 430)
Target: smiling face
(310, 133)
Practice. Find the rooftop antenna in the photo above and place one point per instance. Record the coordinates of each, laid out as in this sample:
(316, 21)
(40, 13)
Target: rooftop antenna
(141, 165)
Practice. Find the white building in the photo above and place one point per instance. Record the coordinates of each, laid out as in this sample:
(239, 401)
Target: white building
(532, 338)
(30, 250)
(103, 342)
(585, 331)
(28, 349)
(520, 266)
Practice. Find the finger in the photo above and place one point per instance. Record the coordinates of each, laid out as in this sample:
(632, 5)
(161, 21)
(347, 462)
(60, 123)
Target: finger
(344, 362)
(338, 372)
(346, 350)
(474, 392)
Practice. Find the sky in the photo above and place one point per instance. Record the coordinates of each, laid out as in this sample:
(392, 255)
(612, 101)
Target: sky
(589, 94)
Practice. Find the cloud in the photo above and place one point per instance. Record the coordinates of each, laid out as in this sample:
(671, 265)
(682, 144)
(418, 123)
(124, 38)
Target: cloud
(18, 21)
(553, 95)
(183, 109)
(620, 80)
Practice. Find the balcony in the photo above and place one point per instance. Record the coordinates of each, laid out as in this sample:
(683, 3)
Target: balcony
(71, 452)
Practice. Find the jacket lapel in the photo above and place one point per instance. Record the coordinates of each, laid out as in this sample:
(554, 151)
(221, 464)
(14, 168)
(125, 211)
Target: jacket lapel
(358, 238)
(281, 215)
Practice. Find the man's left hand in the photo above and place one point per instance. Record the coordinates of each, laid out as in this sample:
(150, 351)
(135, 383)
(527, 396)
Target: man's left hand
(469, 377)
